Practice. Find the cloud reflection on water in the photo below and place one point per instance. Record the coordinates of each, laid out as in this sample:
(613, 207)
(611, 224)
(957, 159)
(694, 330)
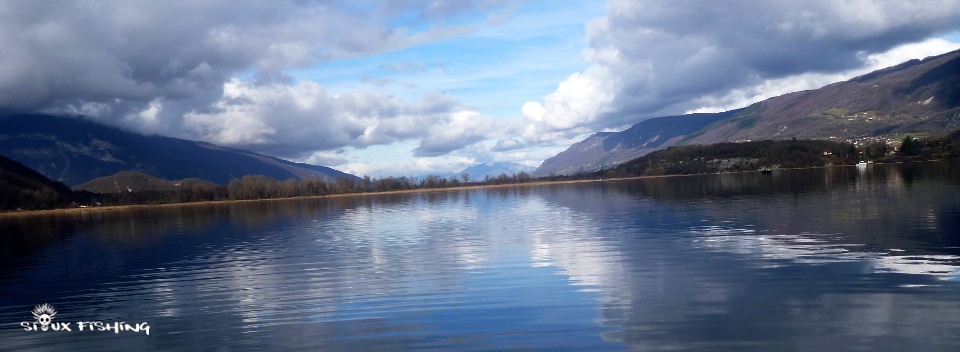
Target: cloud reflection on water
(817, 259)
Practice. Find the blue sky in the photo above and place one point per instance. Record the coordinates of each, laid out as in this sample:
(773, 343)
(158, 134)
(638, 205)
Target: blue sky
(494, 70)
(412, 87)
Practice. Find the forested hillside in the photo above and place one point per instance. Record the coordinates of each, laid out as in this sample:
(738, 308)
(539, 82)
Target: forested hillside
(25, 189)
(745, 156)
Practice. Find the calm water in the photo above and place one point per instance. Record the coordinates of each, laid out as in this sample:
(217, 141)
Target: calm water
(806, 260)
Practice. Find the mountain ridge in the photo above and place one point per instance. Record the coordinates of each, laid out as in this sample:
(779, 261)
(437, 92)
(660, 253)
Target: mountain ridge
(74, 150)
(132, 181)
(613, 148)
(478, 171)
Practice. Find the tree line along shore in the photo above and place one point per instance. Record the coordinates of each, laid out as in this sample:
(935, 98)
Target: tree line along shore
(25, 194)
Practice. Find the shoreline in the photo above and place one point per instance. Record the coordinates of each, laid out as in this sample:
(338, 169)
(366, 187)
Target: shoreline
(78, 210)
(109, 208)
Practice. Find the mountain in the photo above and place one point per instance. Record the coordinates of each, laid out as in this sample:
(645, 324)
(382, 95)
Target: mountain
(444, 175)
(23, 188)
(918, 97)
(605, 149)
(73, 150)
(477, 172)
(132, 181)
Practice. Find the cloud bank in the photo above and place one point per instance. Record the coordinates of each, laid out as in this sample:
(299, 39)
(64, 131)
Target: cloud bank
(171, 67)
(657, 58)
(295, 120)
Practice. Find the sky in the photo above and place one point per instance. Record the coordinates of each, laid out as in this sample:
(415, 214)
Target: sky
(412, 87)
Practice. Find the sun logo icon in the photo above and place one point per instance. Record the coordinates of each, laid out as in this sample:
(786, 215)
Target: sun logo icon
(44, 314)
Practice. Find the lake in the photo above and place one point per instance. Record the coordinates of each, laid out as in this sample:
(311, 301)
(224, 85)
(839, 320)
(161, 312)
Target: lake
(828, 259)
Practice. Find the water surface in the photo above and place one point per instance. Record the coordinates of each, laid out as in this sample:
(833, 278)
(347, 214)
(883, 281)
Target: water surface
(808, 260)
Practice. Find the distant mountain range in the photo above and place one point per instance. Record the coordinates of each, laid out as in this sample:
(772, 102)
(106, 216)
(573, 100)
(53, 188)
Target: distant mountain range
(918, 97)
(73, 150)
(477, 172)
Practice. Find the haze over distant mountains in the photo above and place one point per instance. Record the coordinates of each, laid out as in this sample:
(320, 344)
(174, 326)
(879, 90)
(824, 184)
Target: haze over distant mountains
(73, 151)
(477, 172)
(918, 97)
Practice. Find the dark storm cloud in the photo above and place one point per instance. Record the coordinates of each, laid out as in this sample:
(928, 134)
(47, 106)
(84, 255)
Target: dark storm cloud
(119, 56)
(699, 48)
(148, 64)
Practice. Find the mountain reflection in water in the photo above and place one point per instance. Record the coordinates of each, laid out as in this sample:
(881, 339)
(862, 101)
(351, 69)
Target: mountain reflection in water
(819, 259)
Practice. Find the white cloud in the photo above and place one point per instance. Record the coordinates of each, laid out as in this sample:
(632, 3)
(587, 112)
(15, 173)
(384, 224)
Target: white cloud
(507, 144)
(579, 100)
(325, 159)
(460, 130)
(906, 52)
(288, 120)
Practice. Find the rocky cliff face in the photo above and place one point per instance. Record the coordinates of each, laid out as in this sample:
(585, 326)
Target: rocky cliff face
(918, 97)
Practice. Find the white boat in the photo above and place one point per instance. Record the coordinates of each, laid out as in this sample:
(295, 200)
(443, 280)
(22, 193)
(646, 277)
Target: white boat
(862, 164)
